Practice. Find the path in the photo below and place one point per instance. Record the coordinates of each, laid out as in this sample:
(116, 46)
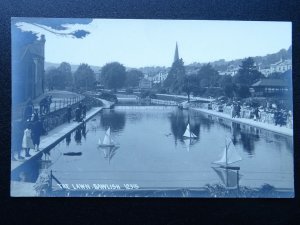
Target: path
(53, 137)
(266, 126)
(185, 97)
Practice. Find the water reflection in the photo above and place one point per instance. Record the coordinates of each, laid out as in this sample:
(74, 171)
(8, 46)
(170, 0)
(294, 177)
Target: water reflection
(68, 139)
(206, 121)
(77, 136)
(83, 130)
(248, 142)
(109, 152)
(113, 119)
(229, 176)
(244, 135)
(179, 120)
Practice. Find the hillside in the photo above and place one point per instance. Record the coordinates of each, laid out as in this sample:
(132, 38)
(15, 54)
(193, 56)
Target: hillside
(264, 61)
(220, 65)
(49, 65)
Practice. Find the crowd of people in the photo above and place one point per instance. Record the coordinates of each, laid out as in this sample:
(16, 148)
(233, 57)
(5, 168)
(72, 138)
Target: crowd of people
(45, 104)
(34, 123)
(33, 129)
(271, 113)
(80, 113)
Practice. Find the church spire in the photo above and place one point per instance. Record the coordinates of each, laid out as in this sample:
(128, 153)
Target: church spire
(176, 56)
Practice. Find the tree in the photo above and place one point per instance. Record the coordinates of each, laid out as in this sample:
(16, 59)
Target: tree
(207, 76)
(65, 70)
(60, 77)
(53, 79)
(246, 76)
(206, 80)
(84, 77)
(227, 85)
(248, 73)
(189, 85)
(133, 78)
(113, 75)
(175, 77)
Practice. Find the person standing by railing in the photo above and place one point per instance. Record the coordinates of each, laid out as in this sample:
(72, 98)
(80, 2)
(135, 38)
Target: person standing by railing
(83, 110)
(27, 143)
(37, 128)
(69, 114)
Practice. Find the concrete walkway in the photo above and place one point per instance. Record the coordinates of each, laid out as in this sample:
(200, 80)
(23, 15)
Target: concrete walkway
(54, 137)
(185, 97)
(266, 126)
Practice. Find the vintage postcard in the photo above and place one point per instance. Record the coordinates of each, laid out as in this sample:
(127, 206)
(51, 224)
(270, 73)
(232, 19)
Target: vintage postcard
(151, 108)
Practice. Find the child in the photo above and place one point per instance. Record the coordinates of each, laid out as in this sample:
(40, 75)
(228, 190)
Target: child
(27, 143)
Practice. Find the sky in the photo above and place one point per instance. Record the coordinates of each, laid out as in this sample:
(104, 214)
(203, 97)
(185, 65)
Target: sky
(139, 43)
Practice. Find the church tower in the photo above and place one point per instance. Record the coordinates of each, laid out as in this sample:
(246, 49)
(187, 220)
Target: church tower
(176, 56)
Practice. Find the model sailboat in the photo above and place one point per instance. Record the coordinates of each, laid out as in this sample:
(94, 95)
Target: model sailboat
(188, 133)
(229, 156)
(107, 141)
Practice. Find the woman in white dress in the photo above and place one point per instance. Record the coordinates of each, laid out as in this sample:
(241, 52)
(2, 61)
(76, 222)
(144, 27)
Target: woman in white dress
(27, 143)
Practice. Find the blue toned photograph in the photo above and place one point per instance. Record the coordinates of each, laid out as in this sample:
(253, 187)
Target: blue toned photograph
(151, 108)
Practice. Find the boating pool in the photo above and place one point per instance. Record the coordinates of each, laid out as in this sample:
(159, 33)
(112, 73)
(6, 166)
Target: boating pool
(152, 153)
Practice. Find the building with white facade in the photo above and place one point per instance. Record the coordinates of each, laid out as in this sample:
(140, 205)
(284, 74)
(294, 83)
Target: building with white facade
(278, 67)
(281, 66)
(145, 84)
(231, 70)
(160, 77)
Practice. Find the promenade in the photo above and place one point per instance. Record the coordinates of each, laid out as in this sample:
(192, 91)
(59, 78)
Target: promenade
(266, 126)
(251, 122)
(54, 137)
(185, 97)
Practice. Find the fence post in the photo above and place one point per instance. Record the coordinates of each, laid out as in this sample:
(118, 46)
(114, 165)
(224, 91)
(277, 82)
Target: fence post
(54, 105)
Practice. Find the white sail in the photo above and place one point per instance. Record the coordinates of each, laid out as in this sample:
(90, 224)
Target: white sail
(107, 138)
(222, 160)
(230, 155)
(188, 132)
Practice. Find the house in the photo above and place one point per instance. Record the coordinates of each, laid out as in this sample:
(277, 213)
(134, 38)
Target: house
(269, 88)
(231, 70)
(160, 77)
(265, 71)
(28, 71)
(145, 84)
(281, 66)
